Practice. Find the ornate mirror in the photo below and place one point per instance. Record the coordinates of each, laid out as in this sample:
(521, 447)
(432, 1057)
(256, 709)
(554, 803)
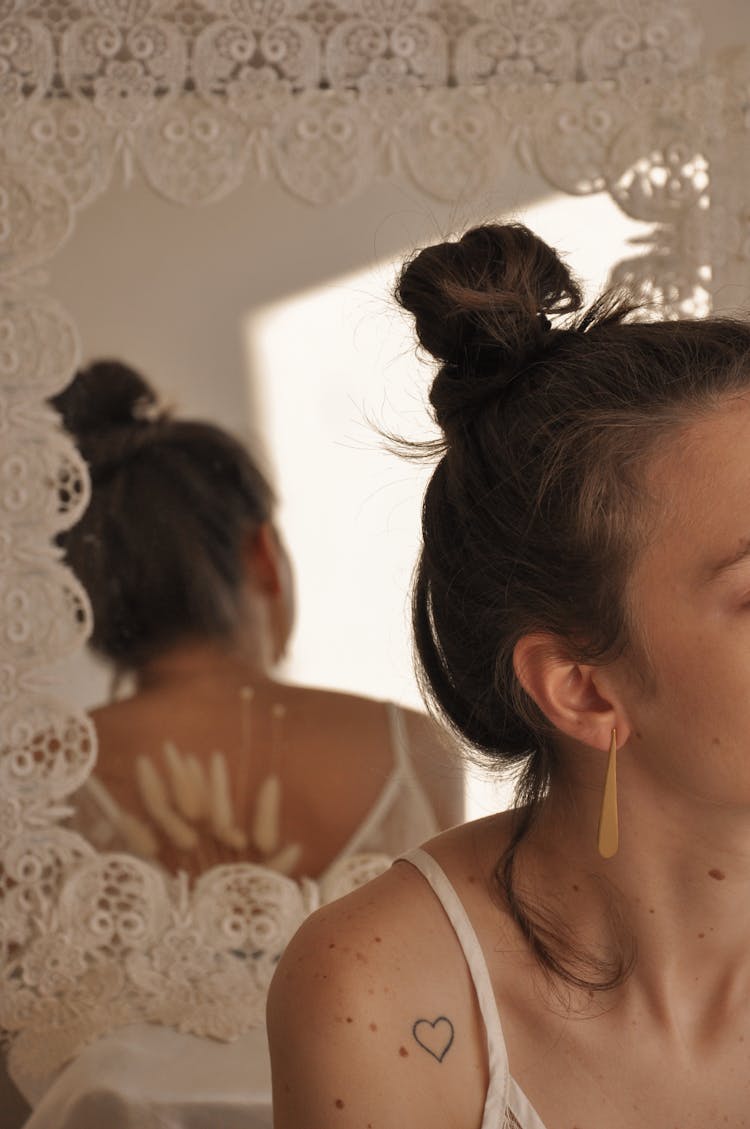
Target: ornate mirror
(328, 102)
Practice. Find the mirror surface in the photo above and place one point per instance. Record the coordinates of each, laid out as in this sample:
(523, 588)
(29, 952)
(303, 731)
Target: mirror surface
(276, 321)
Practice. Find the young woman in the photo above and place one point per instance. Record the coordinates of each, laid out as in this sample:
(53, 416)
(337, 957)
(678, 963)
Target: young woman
(582, 617)
(211, 759)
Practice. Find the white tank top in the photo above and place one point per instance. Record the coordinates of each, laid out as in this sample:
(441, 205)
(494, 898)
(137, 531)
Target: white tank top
(506, 1106)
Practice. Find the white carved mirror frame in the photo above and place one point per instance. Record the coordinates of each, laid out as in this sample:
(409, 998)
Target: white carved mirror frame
(325, 96)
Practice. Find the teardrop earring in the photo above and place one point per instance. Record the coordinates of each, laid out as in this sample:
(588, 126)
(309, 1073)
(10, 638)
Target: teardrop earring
(608, 838)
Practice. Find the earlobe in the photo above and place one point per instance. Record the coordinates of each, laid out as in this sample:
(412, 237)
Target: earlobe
(262, 558)
(573, 696)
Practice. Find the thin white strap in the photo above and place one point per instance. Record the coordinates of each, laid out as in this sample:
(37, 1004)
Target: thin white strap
(387, 794)
(399, 737)
(496, 1101)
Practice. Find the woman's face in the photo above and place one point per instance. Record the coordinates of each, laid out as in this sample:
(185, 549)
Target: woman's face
(690, 602)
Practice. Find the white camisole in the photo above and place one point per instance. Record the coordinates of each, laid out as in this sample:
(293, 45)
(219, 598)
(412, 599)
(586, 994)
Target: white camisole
(506, 1106)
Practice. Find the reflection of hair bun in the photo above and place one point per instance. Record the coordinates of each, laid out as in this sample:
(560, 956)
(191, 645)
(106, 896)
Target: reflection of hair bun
(161, 548)
(107, 394)
(481, 305)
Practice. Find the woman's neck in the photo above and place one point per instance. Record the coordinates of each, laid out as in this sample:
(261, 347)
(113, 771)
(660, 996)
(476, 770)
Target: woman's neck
(678, 887)
(195, 661)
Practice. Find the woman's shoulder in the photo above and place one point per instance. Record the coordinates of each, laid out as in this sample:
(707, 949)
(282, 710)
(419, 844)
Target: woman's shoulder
(348, 703)
(351, 960)
(378, 982)
(375, 726)
(386, 928)
(339, 704)
(369, 1014)
(396, 905)
(378, 917)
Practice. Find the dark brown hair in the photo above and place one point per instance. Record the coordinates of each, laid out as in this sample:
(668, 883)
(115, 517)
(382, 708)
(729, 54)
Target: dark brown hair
(159, 549)
(536, 510)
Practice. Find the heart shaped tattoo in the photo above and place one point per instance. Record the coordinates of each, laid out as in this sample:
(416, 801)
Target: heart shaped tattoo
(434, 1036)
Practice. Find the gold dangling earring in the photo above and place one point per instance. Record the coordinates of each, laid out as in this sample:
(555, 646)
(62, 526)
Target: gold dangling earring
(609, 838)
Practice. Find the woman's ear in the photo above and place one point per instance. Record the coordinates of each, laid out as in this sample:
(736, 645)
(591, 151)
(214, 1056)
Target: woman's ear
(262, 554)
(269, 572)
(578, 699)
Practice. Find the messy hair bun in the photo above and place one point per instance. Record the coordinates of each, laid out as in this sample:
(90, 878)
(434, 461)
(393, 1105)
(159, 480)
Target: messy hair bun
(482, 307)
(107, 394)
(112, 412)
(536, 511)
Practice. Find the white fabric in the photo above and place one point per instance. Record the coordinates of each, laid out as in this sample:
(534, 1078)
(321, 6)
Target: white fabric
(402, 813)
(506, 1106)
(144, 1077)
(131, 1019)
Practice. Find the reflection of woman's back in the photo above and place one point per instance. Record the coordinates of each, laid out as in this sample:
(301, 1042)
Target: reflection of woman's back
(211, 760)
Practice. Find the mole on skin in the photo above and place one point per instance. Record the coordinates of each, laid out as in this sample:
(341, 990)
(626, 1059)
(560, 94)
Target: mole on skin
(719, 875)
(339, 1104)
(403, 1052)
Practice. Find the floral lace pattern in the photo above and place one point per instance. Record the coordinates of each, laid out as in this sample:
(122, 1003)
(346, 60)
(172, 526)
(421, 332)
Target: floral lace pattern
(325, 96)
(127, 943)
(328, 95)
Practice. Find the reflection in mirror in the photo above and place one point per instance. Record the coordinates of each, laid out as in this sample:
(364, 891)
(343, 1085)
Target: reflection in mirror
(210, 759)
(295, 346)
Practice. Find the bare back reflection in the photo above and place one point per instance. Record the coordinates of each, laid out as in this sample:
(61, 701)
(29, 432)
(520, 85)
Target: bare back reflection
(211, 759)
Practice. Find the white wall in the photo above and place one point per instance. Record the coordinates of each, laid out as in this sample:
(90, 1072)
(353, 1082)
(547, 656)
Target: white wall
(169, 287)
